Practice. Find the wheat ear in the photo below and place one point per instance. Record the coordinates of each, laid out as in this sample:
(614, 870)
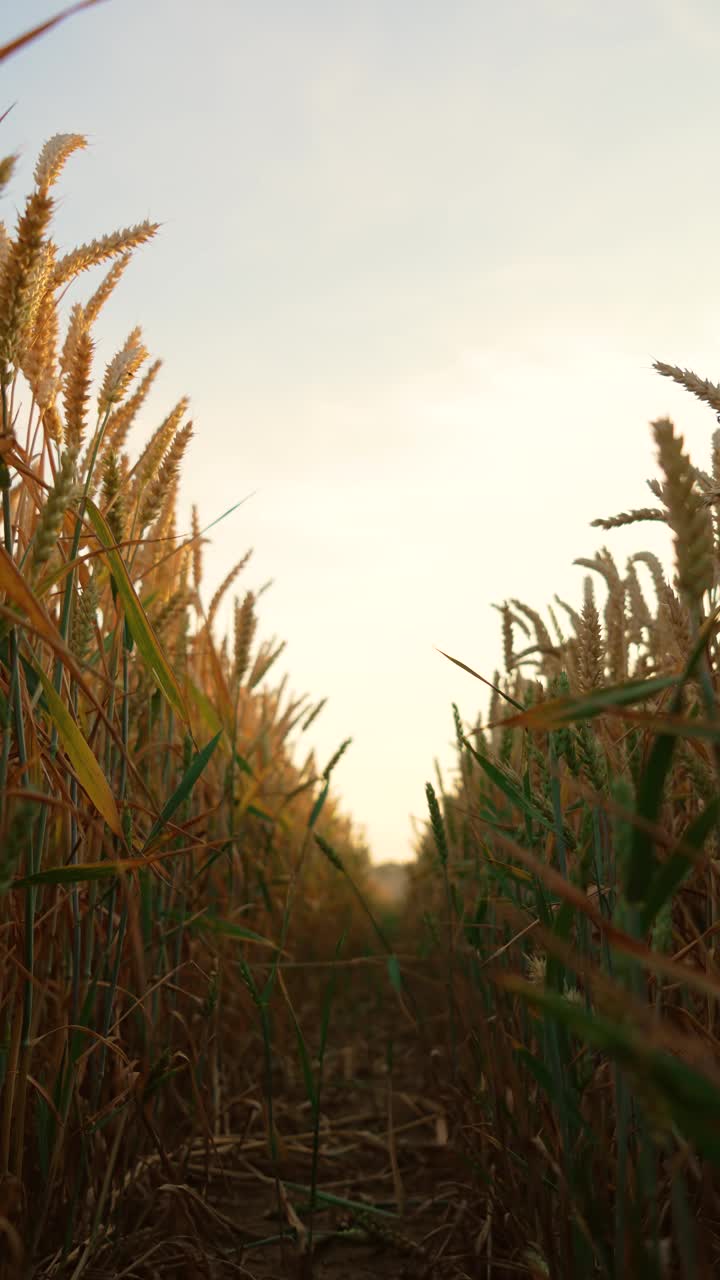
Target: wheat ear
(688, 517)
(700, 387)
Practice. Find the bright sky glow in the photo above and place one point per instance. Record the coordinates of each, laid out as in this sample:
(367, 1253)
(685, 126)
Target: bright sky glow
(416, 262)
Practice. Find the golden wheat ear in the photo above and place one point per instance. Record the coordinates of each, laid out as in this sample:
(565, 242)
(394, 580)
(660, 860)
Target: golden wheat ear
(121, 370)
(704, 390)
(628, 517)
(165, 478)
(105, 288)
(7, 168)
(640, 617)
(21, 281)
(53, 156)
(152, 454)
(196, 547)
(591, 648)
(245, 623)
(688, 516)
(97, 251)
(225, 586)
(76, 390)
(123, 416)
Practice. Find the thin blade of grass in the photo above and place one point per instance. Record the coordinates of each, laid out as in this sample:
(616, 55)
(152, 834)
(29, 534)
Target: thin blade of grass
(673, 872)
(13, 46)
(693, 1099)
(138, 622)
(563, 711)
(181, 792)
(88, 771)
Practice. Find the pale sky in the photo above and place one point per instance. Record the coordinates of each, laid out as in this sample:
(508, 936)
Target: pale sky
(416, 262)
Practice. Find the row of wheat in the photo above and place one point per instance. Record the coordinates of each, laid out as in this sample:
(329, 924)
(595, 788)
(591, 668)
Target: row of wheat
(570, 878)
(154, 827)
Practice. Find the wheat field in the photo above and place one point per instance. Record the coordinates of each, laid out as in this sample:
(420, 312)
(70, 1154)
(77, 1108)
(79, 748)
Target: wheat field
(227, 1046)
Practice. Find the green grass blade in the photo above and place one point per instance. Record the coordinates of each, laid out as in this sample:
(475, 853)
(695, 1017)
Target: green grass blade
(317, 807)
(563, 711)
(192, 774)
(690, 1100)
(138, 622)
(515, 793)
(88, 771)
(672, 872)
(228, 930)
